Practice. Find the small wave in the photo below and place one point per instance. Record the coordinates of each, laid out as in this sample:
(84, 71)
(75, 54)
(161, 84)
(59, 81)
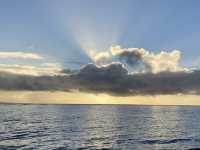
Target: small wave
(2, 147)
(11, 120)
(18, 136)
(92, 128)
(99, 138)
(61, 148)
(165, 141)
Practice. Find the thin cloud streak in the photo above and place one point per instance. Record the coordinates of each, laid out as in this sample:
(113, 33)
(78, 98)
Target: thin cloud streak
(38, 66)
(19, 55)
(39, 70)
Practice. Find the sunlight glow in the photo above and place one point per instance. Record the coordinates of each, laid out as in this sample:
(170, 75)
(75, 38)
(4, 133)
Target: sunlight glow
(48, 97)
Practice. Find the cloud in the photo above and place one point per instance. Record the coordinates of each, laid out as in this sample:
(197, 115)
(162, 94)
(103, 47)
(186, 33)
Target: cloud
(19, 55)
(38, 66)
(141, 60)
(110, 72)
(42, 69)
(98, 57)
(112, 79)
(101, 56)
(163, 61)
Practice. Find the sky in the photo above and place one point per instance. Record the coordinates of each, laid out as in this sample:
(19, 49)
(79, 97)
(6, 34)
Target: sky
(82, 41)
(62, 30)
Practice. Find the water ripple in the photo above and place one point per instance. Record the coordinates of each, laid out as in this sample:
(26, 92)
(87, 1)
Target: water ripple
(98, 127)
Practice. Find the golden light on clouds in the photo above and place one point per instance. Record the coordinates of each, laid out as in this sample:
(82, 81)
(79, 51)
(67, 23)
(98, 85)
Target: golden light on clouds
(44, 97)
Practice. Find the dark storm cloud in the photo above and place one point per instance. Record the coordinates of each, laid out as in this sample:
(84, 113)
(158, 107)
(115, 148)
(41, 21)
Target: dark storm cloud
(113, 79)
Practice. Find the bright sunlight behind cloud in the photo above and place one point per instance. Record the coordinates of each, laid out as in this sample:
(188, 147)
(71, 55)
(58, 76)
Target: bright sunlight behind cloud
(140, 60)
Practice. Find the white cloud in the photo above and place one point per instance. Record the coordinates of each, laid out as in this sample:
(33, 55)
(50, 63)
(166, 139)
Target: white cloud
(164, 61)
(43, 69)
(101, 56)
(116, 50)
(98, 57)
(153, 62)
(19, 55)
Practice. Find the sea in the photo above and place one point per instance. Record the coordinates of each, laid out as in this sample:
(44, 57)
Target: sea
(99, 127)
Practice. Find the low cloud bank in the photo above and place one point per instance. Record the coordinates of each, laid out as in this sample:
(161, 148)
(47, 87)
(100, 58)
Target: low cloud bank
(113, 79)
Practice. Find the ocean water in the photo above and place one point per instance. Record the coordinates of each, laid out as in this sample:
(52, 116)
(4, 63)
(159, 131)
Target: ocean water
(99, 127)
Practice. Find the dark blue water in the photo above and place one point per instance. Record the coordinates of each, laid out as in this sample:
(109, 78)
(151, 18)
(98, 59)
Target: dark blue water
(99, 127)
